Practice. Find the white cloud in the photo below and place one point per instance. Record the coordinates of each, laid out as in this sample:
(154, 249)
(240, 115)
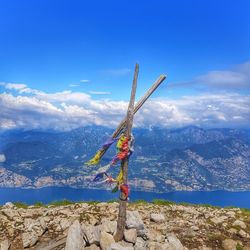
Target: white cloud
(84, 80)
(66, 110)
(15, 86)
(228, 110)
(237, 78)
(2, 158)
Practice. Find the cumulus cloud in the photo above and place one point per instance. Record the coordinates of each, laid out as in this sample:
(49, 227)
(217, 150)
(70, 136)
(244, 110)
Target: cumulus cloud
(2, 158)
(67, 110)
(14, 86)
(228, 110)
(238, 78)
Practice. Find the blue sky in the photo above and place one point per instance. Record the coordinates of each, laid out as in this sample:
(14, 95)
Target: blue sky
(61, 49)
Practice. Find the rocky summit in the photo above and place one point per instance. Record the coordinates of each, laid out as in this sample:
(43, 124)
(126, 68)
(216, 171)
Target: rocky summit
(91, 226)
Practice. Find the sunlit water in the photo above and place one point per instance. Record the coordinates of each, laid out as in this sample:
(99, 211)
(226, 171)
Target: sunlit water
(48, 194)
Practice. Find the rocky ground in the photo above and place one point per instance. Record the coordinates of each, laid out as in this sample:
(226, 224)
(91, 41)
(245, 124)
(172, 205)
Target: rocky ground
(149, 226)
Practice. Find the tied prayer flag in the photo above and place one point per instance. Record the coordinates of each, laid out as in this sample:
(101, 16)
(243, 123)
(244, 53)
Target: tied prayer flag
(109, 142)
(125, 190)
(100, 176)
(95, 160)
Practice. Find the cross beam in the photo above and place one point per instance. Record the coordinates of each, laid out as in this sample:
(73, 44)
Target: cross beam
(138, 105)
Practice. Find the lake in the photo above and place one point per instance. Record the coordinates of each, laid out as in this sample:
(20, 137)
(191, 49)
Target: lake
(48, 194)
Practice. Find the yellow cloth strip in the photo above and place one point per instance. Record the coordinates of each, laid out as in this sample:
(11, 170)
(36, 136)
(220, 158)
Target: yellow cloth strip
(119, 178)
(95, 160)
(120, 141)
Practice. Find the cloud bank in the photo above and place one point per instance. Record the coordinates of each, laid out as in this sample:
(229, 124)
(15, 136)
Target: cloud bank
(237, 78)
(66, 111)
(23, 107)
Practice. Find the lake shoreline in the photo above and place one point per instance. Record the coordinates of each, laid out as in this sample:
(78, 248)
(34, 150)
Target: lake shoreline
(46, 195)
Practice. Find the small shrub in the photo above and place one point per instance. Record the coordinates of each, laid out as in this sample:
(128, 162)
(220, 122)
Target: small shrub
(239, 247)
(163, 202)
(112, 201)
(245, 211)
(61, 203)
(39, 204)
(208, 206)
(92, 202)
(20, 204)
(142, 202)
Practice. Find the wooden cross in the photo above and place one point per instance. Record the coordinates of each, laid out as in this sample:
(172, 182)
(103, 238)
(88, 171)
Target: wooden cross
(121, 222)
(127, 123)
(124, 164)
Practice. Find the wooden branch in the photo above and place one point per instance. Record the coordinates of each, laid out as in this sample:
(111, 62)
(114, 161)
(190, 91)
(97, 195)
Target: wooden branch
(138, 105)
(124, 164)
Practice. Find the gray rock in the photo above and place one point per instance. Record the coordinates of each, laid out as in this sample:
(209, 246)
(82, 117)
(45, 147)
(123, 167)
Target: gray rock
(243, 234)
(232, 231)
(159, 246)
(91, 234)
(155, 235)
(219, 220)
(125, 243)
(75, 237)
(29, 239)
(8, 205)
(230, 214)
(4, 245)
(134, 221)
(92, 247)
(158, 218)
(106, 240)
(195, 228)
(10, 213)
(239, 223)
(130, 235)
(140, 244)
(229, 244)
(64, 223)
(108, 226)
(174, 242)
(205, 248)
(117, 246)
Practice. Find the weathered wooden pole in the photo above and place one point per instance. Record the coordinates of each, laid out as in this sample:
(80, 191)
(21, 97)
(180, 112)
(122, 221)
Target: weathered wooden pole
(124, 164)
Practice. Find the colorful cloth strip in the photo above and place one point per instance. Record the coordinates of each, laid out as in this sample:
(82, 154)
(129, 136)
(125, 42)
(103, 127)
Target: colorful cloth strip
(95, 160)
(125, 190)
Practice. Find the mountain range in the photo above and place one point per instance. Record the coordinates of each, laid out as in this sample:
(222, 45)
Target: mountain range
(189, 158)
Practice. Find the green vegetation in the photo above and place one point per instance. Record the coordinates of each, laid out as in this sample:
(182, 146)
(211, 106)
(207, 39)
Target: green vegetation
(112, 201)
(163, 202)
(140, 202)
(245, 211)
(39, 204)
(92, 202)
(239, 247)
(61, 203)
(20, 204)
(207, 205)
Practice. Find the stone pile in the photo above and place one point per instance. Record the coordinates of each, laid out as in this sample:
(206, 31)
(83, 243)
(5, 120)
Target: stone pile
(148, 227)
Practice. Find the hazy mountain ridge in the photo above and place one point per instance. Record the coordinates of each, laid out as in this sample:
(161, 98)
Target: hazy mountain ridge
(190, 158)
